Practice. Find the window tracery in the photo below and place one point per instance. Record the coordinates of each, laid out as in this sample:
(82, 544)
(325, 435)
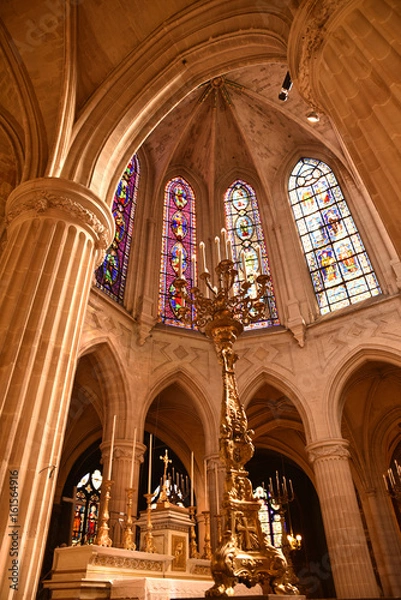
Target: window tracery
(338, 263)
(244, 229)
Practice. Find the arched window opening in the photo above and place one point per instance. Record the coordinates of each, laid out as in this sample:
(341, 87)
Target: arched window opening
(111, 275)
(179, 240)
(86, 509)
(244, 229)
(340, 269)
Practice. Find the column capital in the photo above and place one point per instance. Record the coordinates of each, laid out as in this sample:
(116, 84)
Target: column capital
(307, 36)
(62, 198)
(329, 449)
(123, 449)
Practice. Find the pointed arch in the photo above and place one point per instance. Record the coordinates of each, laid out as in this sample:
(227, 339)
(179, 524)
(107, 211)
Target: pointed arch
(244, 230)
(341, 271)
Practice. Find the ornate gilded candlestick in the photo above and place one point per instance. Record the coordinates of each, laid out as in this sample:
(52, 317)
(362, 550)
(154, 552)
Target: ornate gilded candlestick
(128, 541)
(219, 528)
(242, 556)
(148, 542)
(207, 549)
(102, 537)
(193, 547)
(393, 482)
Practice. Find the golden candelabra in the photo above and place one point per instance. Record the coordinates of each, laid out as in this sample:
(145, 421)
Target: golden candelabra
(280, 497)
(393, 482)
(128, 541)
(148, 542)
(243, 555)
(207, 549)
(193, 547)
(102, 537)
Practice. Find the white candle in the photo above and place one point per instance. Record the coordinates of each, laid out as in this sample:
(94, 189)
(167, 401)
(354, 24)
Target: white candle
(244, 265)
(206, 486)
(230, 251)
(260, 260)
(192, 478)
(180, 263)
(218, 254)
(113, 432)
(202, 255)
(216, 475)
(131, 479)
(224, 243)
(194, 278)
(150, 464)
(385, 482)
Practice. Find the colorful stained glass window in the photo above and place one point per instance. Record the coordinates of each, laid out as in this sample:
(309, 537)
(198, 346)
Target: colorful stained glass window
(244, 229)
(339, 265)
(111, 275)
(86, 509)
(269, 517)
(179, 238)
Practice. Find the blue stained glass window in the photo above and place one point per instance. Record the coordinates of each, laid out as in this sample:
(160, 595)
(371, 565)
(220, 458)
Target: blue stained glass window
(179, 237)
(111, 275)
(340, 269)
(244, 229)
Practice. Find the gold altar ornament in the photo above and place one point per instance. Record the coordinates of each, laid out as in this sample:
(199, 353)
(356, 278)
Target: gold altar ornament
(243, 554)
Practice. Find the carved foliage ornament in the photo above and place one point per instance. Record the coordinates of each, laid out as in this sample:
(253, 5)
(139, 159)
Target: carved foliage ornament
(328, 452)
(43, 201)
(312, 30)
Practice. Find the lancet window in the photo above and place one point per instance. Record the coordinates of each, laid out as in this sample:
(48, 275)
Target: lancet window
(244, 229)
(339, 265)
(178, 248)
(86, 509)
(270, 519)
(111, 275)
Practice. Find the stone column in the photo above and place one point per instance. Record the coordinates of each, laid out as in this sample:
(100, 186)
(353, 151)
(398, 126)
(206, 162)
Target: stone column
(57, 232)
(348, 551)
(344, 58)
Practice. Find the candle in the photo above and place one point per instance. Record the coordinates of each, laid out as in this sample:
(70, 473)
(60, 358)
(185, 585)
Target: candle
(216, 475)
(112, 448)
(192, 478)
(385, 482)
(150, 464)
(260, 260)
(278, 484)
(180, 263)
(284, 485)
(206, 486)
(194, 278)
(291, 490)
(202, 256)
(131, 479)
(224, 243)
(230, 251)
(244, 265)
(217, 242)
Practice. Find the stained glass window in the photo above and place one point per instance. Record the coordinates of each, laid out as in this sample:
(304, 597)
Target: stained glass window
(269, 517)
(111, 275)
(86, 509)
(179, 237)
(244, 229)
(341, 271)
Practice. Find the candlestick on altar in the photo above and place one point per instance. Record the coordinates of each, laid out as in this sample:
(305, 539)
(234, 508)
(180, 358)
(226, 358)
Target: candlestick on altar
(207, 549)
(113, 432)
(102, 537)
(128, 540)
(193, 548)
(148, 542)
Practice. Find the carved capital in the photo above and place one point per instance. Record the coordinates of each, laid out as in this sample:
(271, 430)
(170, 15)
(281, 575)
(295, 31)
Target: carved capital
(74, 202)
(332, 449)
(307, 37)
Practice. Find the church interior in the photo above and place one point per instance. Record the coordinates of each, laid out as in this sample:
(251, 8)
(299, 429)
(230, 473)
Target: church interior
(144, 148)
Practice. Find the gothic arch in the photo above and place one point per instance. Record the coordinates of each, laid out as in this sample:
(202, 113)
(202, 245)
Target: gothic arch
(95, 157)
